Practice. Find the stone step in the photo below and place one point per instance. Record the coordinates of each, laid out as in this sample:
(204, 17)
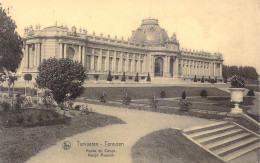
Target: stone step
(236, 146)
(220, 136)
(225, 142)
(240, 152)
(203, 127)
(211, 132)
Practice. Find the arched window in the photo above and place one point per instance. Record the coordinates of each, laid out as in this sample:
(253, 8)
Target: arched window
(158, 68)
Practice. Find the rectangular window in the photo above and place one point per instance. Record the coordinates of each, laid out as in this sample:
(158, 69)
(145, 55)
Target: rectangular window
(130, 65)
(103, 63)
(95, 63)
(110, 63)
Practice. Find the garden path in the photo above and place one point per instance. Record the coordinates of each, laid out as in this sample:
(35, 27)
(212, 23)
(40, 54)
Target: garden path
(138, 124)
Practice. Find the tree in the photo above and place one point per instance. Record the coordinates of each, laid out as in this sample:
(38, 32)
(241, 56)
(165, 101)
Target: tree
(10, 42)
(109, 77)
(27, 77)
(136, 78)
(62, 77)
(195, 78)
(123, 77)
(183, 96)
(148, 78)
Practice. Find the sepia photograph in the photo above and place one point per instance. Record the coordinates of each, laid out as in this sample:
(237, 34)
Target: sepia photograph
(129, 81)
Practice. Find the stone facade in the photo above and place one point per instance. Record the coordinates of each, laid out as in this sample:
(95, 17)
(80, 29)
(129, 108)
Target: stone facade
(148, 50)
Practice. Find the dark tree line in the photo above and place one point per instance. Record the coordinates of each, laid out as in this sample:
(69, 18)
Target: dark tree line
(247, 72)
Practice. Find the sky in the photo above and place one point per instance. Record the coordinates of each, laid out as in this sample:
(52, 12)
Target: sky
(231, 27)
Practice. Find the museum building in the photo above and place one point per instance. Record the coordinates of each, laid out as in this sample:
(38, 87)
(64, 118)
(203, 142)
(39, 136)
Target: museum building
(149, 49)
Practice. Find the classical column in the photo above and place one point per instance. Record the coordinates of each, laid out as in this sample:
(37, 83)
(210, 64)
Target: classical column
(83, 56)
(192, 72)
(220, 70)
(26, 56)
(61, 47)
(92, 60)
(39, 55)
(133, 64)
(214, 69)
(152, 64)
(164, 66)
(114, 62)
(139, 65)
(107, 62)
(120, 67)
(100, 60)
(176, 67)
(65, 51)
(35, 55)
(127, 62)
(190, 66)
(145, 63)
(80, 54)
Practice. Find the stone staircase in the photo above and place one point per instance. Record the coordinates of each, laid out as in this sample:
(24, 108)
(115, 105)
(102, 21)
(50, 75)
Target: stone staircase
(225, 140)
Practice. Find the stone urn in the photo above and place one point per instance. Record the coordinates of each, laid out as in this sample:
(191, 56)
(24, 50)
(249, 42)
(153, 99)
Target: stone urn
(236, 97)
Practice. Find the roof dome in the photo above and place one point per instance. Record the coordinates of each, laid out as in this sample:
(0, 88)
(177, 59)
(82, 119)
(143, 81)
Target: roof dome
(149, 33)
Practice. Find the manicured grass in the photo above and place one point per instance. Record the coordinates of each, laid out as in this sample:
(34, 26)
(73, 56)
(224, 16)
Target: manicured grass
(221, 104)
(169, 145)
(18, 144)
(117, 93)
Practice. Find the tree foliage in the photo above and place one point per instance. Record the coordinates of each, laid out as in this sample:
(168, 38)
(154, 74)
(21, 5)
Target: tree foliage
(63, 77)
(247, 72)
(10, 42)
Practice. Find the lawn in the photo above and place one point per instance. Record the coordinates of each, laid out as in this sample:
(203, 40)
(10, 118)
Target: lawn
(116, 93)
(221, 104)
(18, 144)
(169, 145)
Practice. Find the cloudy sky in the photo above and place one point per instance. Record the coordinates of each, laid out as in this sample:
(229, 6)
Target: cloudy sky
(231, 27)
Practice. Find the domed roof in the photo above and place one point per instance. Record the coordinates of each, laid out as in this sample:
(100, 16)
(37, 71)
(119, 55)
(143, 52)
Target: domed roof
(149, 33)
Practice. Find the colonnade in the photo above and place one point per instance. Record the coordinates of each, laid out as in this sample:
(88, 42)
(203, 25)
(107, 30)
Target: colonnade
(32, 57)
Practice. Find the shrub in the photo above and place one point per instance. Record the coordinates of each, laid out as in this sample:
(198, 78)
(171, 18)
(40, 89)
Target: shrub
(184, 105)
(126, 99)
(130, 77)
(19, 101)
(20, 119)
(195, 78)
(212, 81)
(163, 94)
(54, 72)
(202, 79)
(203, 93)
(136, 78)
(96, 76)
(237, 82)
(43, 118)
(183, 96)
(5, 106)
(148, 79)
(142, 77)
(225, 80)
(216, 79)
(198, 79)
(77, 107)
(251, 93)
(103, 98)
(47, 100)
(123, 77)
(153, 102)
(109, 77)
(116, 77)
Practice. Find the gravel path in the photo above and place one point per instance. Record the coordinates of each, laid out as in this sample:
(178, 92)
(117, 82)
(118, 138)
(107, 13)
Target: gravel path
(138, 124)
